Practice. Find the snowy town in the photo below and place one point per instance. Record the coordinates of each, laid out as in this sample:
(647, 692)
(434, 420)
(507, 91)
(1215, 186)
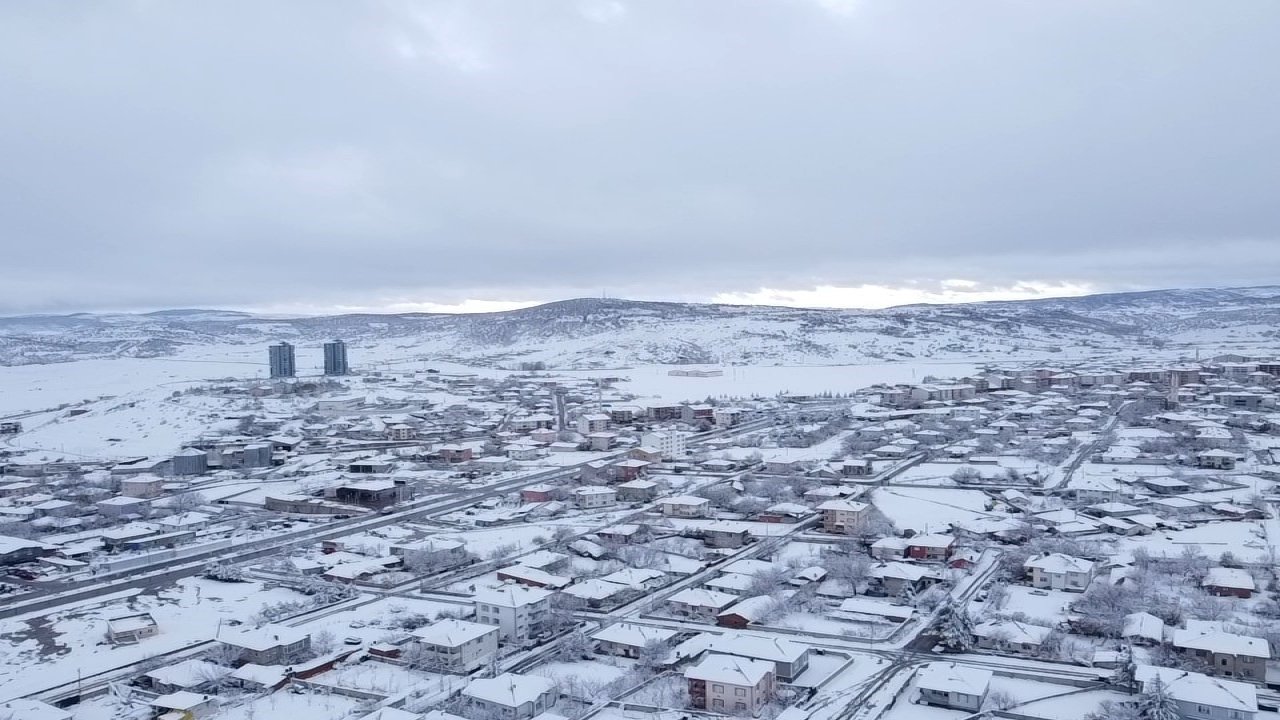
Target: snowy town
(1087, 540)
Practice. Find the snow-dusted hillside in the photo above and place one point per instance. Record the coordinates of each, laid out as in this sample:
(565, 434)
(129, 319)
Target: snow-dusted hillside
(597, 332)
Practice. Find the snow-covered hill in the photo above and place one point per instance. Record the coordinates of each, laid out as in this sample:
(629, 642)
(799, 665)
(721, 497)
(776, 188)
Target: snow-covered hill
(600, 332)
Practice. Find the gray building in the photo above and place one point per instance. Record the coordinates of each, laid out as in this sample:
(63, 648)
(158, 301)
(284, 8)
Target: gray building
(282, 362)
(190, 462)
(335, 358)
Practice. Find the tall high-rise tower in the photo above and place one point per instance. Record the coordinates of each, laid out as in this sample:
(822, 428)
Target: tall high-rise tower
(335, 358)
(282, 362)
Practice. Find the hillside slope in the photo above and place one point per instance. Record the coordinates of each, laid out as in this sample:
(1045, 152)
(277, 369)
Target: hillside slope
(607, 332)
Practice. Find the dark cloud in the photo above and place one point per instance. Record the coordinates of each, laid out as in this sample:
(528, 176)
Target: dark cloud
(363, 154)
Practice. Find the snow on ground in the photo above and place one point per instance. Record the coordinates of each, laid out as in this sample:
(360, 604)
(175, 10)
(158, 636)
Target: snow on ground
(1049, 605)
(585, 672)
(930, 509)
(63, 644)
(1246, 540)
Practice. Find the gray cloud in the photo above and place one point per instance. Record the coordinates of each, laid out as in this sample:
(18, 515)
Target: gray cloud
(272, 154)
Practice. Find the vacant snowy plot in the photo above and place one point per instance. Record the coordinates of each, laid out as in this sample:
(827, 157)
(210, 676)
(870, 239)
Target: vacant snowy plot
(930, 509)
(1247, 540)
(66, 644)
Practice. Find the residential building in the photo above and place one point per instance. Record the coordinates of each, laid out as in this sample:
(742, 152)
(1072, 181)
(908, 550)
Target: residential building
(685, 506)
(931, 548)
(1201, 697)
(669, 443)
(730, 685)
(630, 640)
(511, 696)
(456, 646)
(519, 612)
(698, 604)
(335, 358)
(790, 659)
(843, 517)
(595, 496)
(269, 644)
(1229, 582)
(1056, 571)
(958, 687)
(129, 629)
(1228, 654)
(281, 360)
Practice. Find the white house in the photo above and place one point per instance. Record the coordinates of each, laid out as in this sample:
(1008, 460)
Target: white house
(456, 646)
(629, 640)
(730, 685)
(670, 444)
(843, 517)
(954, 686)
(685, 506)
(1201, 697)
(595, 496)
(519, 612)
(1057, 571)
(511, 696)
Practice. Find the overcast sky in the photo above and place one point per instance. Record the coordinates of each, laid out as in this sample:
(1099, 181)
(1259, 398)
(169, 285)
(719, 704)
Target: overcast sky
(327, 155)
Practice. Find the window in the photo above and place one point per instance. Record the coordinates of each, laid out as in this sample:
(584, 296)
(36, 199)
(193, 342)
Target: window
(740, 706)
(1202, 709)
(717, 703)
(717, 688)
(740, 692)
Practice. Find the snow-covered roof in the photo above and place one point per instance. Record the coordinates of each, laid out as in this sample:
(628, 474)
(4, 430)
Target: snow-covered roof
(1143, 625)
(511, 596)
(1192, 687)
(729, 670)
(1228, 578)
(633, 635)
(265, 637)
(953, 678)
(1209, 636)
(509, 689)
(703, 598)
(758, 647)
(453, 633)
(1058, 563)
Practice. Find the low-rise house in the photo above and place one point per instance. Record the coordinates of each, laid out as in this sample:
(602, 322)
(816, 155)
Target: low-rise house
(596, 593)
(1228, 654)
(637, 578)
(953, 686)
(120, 505)
(1216, 459)
(513, 696)
(595, 496)
(626, 533)
(899, 578)
(843, 517)
(1229, 582)
(630, 640)
(1056, 571)
(185, 705)
(743, 613)
(519, 612)
(1142, 628)
(637, 490)
(1010, 636)
(142, 486)
(24, 709)
(730, 685)
(931, 548)
(538, 493)
(433, 554)
(192, 674)
(702, 605)
(14, 551)
(725, 535)
(533, 577)
(1201, 697)
(889, 548)
(685, 506)
(269, 644)
(129, 629)
(456, 646)
(790, 659)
